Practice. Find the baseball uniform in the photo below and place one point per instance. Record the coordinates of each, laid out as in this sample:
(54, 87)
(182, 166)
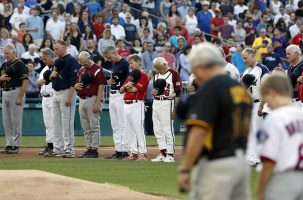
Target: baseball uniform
(12, 114)
(254, 89)
(281, 142)
(46, 92)
(232, 71)
(163, 106)
(116, 106)
(63, 116)
(90, 121)
(134, 117)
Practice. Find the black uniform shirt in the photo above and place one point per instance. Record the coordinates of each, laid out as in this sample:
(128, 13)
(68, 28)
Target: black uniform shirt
(223, 107)
(19, 72)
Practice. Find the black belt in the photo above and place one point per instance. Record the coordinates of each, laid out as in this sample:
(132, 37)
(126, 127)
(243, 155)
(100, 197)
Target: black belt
(86, 97)
(114, 91)
(223, 154)
(163, 98)
(9, 89)
(47, 95)
(131, 101)
(256, 100)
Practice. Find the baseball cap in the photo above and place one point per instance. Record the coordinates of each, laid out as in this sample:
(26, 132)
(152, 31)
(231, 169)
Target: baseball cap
(205, 3)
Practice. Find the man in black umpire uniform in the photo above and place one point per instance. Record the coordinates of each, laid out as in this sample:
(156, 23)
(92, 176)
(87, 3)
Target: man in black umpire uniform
(14, 82)
(218, 123)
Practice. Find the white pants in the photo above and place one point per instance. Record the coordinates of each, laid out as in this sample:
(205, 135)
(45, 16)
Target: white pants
(48, 118)
(221, 179)
(134, 127)
(116, 106)
(163, 124)
(256, 121)
(63, 122)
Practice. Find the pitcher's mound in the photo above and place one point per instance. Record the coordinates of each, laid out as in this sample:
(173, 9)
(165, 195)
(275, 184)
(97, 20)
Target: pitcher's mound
(38, 185)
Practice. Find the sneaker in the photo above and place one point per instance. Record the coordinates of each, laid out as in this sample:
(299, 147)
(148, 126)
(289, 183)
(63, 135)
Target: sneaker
(68, 155)
(53, 154)
(13, 150)
(6, 149)
(45, 150)
(159, 158)
(168, 159)
(90, 154)
(142, 157)
(116, 155)
(132, 156)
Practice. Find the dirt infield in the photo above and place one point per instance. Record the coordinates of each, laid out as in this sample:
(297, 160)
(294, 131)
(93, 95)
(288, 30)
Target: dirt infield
(103, 151)
(29, 187)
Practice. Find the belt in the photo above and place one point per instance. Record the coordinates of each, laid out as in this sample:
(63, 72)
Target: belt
(9, 89)
(224, 154)
(298, 99)
(131, 101)
(86, 97)
(163, 98)
(47, 95)
(256, 100)
(114, 91)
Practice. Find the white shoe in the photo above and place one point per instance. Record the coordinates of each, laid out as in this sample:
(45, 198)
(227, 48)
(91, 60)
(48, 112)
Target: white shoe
(159, 158)
(168, 159)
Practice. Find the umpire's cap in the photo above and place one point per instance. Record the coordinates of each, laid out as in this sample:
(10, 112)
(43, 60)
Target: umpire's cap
(86, 79)
(160, 85)
(135, 76)
(59, 64)
(248, 80)
(46, 76)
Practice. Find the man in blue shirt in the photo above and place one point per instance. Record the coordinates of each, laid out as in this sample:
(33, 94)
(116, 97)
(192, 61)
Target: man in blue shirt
(148, 57)
(271, 60)
(63, 77)
(93, 6)
(35, 25)
(204, 17)
(115, 13)
(237, 59)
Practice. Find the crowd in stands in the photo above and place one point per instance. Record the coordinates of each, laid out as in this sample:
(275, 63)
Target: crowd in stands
(151, 28)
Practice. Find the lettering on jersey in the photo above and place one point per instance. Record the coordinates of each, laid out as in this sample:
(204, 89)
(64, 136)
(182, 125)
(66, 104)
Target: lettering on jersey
(167, 90)
(295, 127)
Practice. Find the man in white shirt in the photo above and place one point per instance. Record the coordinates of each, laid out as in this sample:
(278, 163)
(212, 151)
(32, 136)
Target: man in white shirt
(55, 27)
(283, 15)
(18, 17)
(32, 55)
(25, 10)
(240, 7)
(295, 29)
(116, 29)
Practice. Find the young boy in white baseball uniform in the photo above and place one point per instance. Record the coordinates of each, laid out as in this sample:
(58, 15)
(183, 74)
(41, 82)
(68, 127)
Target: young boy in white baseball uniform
(281, 143)
(163, 109)
(134, 89)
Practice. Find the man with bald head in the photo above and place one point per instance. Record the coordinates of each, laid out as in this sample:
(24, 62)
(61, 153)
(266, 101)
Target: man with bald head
(89, 87)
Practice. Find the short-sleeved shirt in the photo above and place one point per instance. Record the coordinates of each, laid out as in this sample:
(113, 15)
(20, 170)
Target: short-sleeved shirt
(97, 79)
(271, 61)
(21, 73)
(294, 72)
(122, 67)
(222, 106)
(141, 86)
(282, 141)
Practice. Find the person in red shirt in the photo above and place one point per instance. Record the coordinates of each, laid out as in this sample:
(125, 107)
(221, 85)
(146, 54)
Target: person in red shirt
(297, 39)
(184, 31)
(216, 22)
(169, 57)
(134, 89)
(197, 33)
(98, 26)
(121, 49)
(89, 87)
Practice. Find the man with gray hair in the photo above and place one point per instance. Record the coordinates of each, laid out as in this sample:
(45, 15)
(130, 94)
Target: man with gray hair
(46, 91)
(14, 82)
(167, 89)
(89, 87)
(218, 123)
(32, 55)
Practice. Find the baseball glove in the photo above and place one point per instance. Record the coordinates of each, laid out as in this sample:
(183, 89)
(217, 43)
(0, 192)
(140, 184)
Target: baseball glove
(135, 76)
(86, 79)
(160, 84)
(46, 76)
(59, 64)
(249, 80)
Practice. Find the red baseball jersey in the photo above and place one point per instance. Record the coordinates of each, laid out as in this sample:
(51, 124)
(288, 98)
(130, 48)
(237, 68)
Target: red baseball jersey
(98, 79)
(141, 86)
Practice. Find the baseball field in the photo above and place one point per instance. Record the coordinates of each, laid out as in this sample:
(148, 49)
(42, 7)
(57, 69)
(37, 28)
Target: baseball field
(157, 179)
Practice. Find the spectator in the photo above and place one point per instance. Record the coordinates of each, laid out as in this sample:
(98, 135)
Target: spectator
(33, 81)
(237, 60)
(204, 17)
(7, 13)
(160, 42)
(260, 44)
(184, 64)
(183, 9)
(299, 11)
(84, 21)
(281, 25)
(239, 34)
(184, 31)
(75, 35)
(181, 46)
(125, 9)
(54, 27)
(93, 52)
(225, 30)
(216, 22)
(107, 10)
(105, 41)
(32, 55)
(174, 39)
(89, 34)
(279, 43)
(169, 57)
(18, 18)
(162, 28)
(121, 49)
(147, 36)
(295, 29)
(190, 21)
(297, 38)
(116, 29)
(46, 43)
(274, 7)
(142, 25)
(226, 7)
(22, 31)
(250, 33)
(137, 5)
(5, 40)
(150, 7)
(173, 15)
(115, 14)
(130, 30)
(19, 47)
(137, 49)
(256, 15)
(191, 39)
(165, 6)
(93, 7)
(148, 57)
(271, 60)
(71, 6)
(35, 25)
(270, 30)
(46, 10)
(70, 48)
(263, 23)
(75, 17)
(27, 40)
(98, 26)
(240, 7)
(282, 15)
(25, 9)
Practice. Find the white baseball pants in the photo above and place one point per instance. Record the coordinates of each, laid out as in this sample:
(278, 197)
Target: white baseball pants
(48, 118)
(163, 124)
(116, 107)
(134, 127)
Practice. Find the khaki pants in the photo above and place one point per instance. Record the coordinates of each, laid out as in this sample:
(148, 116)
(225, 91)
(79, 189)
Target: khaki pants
(90, 122)
(221, 179)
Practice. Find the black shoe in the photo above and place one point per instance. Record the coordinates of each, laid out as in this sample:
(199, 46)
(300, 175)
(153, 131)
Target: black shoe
(13, 150)
(116, 155)
(6, 149)
(124, 155)
(85, 153)
(45, 150)
(90, 154)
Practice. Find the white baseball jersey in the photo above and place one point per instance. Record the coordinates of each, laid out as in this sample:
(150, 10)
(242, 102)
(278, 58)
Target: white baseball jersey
(45, 89)
(232, 71)
(173, 83)
(258, 71)
(281, 138)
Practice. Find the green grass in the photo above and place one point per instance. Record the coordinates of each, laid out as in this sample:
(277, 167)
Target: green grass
(106, 141)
